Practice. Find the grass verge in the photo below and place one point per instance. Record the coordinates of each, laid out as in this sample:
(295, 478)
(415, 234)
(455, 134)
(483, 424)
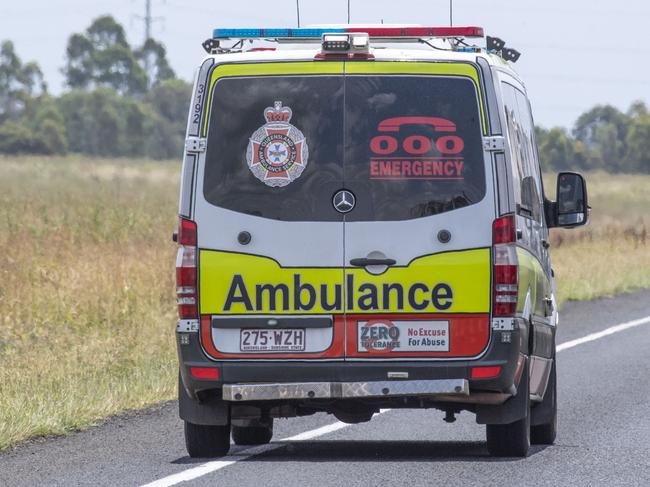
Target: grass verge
(611, 255)
(86, 292)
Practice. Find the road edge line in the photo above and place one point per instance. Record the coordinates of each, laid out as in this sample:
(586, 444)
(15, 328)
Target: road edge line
(603, 333)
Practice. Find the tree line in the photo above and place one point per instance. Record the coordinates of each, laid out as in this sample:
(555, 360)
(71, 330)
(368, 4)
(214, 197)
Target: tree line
(602, 138)
(120, 101)
(123, 101)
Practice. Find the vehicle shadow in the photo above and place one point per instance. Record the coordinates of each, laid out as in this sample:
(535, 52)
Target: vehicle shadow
(370, 451)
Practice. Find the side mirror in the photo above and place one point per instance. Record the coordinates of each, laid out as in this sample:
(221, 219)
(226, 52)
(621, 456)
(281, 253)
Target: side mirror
(571, 207)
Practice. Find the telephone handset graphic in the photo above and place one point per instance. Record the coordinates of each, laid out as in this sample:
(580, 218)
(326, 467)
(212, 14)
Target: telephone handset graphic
(394, 124)
(446, 144)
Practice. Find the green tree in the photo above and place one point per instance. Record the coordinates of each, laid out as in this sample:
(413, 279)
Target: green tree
(102, 57)
(40, 134)
(107, 124)
(95, 119)
(637, 108)
(556, 150)
(48, 126)
(603, 131)
(608, 148)
(169, 100)
(153, 59)
(19, 83)
(580, 154)
(15, 138)
(638, 144)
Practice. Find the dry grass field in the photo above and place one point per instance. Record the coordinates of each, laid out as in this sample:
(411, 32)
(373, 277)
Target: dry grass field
(87, 294)
(611, 255)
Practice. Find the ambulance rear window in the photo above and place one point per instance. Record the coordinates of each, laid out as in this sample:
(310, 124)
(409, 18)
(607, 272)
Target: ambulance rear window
(275, 147)
(407, 146)
(413, 146)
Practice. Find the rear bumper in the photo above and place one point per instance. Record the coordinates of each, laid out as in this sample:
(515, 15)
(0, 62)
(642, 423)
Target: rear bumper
(344, 390)
(331, 373)
(251, 389)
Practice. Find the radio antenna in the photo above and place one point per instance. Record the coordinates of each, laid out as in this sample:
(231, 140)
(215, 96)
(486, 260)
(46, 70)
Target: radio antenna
(451, 13)
(298, 11)
(348, 11)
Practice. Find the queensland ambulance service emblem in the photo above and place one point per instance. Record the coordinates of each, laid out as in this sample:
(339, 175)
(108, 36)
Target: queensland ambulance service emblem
(277, 152)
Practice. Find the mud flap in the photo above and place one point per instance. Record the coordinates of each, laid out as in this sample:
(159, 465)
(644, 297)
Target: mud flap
(212, 411)
(510, 411)
(544, 412)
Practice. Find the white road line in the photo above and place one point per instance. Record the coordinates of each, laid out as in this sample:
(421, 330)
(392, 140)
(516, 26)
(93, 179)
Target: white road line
(608, 331)
(209, 467)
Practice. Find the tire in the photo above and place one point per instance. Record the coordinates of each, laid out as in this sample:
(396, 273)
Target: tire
(544, 434)
(510, 440)
(252, 435)
(207, 441)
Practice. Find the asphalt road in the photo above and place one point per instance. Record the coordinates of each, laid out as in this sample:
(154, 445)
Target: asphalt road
(603, 438)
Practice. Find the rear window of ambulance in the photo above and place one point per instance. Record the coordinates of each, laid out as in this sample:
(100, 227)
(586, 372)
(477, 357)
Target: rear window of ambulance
(413, 146)
(406, 146)
(234, 176)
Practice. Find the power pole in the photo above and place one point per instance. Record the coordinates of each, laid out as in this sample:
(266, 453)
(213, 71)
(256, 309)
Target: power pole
(451, 13)
(298, 11)
(147, 21)
(147, 35)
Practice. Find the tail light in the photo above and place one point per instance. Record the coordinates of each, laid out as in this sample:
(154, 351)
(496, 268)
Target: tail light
(486, 372)
(186, 284)
(204, 372)
(505, 267)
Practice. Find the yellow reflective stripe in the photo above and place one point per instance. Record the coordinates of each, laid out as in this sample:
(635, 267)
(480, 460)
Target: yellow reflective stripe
(266, 69)
(255, 282)
(423, 68)
(531, 276)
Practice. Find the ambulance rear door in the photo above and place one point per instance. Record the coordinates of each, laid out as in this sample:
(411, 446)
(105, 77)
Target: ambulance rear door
(270, 241)
(418, 238)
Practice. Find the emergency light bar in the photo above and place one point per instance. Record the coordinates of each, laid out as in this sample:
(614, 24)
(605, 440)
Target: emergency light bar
(373, 32)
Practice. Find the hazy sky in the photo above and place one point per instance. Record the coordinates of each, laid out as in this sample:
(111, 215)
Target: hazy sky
(576, 53)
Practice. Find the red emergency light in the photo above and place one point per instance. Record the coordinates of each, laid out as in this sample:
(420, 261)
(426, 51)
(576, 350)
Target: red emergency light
(411, 32)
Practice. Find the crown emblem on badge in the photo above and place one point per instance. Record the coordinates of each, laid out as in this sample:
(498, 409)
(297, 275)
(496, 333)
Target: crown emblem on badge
(278, 113)
(277, 152)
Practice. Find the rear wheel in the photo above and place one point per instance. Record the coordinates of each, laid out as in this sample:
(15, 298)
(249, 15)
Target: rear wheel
(511, 440)
(207, 441)
(545, 433)
(259, 434)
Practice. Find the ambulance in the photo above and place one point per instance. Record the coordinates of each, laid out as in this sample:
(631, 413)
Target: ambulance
(363, 226)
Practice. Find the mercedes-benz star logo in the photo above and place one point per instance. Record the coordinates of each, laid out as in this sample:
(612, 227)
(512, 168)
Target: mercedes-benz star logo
(344, 201)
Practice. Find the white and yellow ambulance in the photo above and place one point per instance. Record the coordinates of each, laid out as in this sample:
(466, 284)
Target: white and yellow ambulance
(363, 225)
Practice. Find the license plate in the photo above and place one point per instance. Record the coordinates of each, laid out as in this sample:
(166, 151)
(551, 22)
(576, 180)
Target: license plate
(264, 340)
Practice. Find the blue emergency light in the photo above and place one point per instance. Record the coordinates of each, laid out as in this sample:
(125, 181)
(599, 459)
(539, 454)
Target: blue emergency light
(299, 33)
